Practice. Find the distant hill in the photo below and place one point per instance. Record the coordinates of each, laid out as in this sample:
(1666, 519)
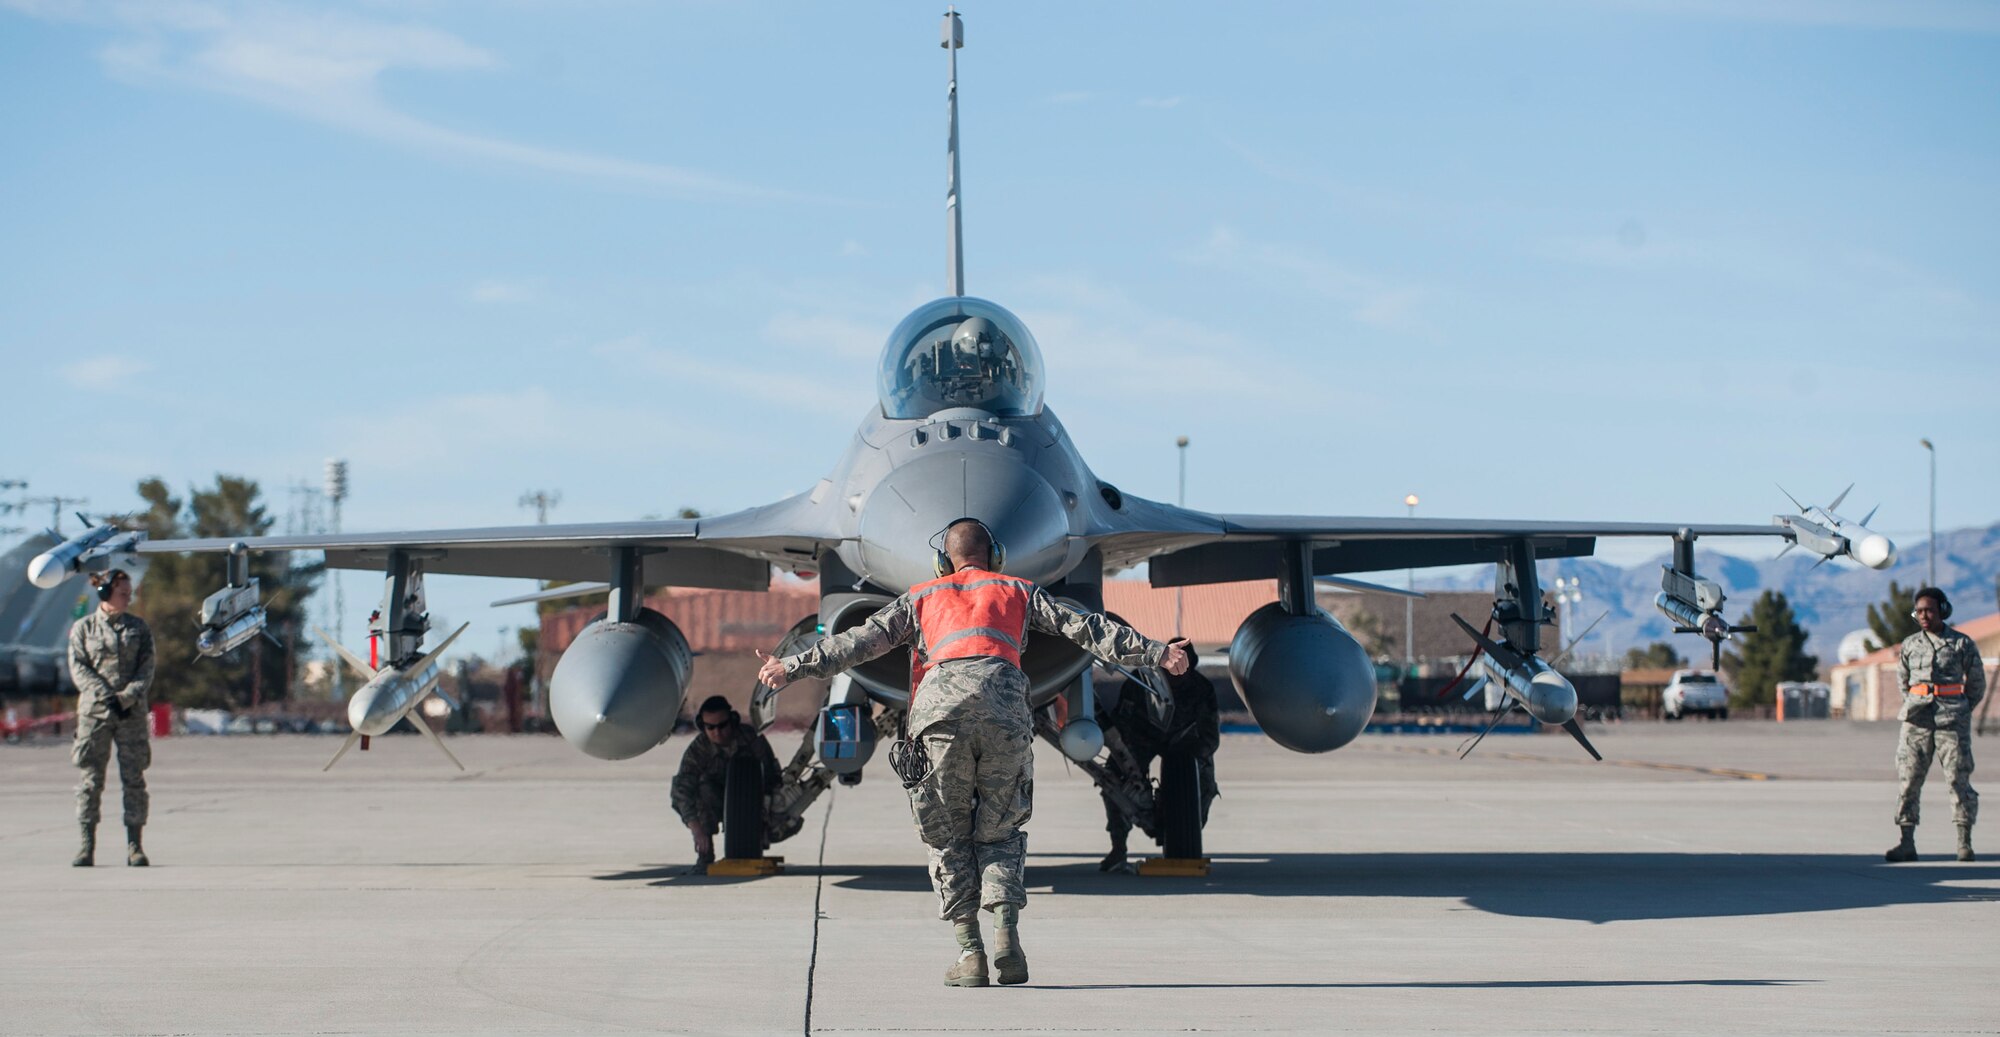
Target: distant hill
(1830, 599)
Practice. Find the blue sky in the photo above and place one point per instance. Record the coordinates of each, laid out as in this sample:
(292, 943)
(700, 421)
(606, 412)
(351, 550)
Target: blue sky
(1571, 259)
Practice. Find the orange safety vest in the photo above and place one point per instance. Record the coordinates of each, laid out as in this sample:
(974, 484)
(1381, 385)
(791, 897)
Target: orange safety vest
(971, 612)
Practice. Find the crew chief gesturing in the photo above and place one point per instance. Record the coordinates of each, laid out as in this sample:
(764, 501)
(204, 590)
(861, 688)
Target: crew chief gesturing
(969, 718)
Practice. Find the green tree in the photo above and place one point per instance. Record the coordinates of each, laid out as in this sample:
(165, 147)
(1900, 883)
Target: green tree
(1656, 656)
(1774, 652)
(1891, 622)
(175, 585)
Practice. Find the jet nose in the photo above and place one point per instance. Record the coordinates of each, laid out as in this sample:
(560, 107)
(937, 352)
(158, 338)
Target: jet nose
(364, 710)
(902, 517)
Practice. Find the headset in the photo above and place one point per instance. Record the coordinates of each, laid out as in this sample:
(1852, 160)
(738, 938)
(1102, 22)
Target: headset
(107, 582)
(1944, 603)
(941, 563)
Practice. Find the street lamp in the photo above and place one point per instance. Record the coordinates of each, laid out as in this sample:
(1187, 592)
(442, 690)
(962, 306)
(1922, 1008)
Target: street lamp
(1932, 550)
(1409, 604)
(1181, 445)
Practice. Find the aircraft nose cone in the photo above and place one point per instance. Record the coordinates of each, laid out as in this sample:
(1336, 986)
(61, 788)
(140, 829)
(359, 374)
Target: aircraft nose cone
(47, 571)
(1875, 551)
(1551, 698)
(365, 710)
(907, 510)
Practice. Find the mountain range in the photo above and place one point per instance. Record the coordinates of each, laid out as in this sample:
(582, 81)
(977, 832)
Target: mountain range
(1830, 600)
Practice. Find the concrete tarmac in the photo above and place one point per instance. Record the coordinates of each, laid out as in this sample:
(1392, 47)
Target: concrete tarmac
(1713, 878)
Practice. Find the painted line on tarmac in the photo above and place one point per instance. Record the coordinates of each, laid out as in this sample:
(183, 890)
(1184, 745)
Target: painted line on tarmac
(1688, 768)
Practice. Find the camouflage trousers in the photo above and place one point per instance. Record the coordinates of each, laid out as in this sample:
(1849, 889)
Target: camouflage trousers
(95, 739)
(1952, 747)
(970, 809)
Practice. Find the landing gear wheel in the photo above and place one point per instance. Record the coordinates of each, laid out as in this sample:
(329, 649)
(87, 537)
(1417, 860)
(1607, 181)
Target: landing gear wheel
(1177, 807)
(743, 808)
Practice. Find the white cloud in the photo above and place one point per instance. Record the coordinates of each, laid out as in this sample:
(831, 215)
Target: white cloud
(1369, 299)
(771, 382)
(499, 291)
(1160, 102)
(1070, 97)
(328, 67)
(852, 248)
(827, 334)
(111, 372)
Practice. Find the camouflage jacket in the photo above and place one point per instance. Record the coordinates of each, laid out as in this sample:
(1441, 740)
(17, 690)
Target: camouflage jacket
(706, 765)
(1196, 724)
(110, 658)
(895, 625)
(1947, 658)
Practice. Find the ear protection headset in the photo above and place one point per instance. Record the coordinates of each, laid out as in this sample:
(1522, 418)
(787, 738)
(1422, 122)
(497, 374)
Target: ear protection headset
(996, 559)
(1943, 603)
(108, 582)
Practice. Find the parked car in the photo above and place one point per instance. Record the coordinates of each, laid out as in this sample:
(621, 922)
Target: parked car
(1695, 692)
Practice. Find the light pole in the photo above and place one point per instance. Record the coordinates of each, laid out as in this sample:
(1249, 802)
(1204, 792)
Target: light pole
(1180, 499)
(1931, 551)
(1410, 604)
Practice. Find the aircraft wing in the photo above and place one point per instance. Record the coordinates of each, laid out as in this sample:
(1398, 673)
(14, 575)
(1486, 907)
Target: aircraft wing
(1184, 547)
(732, 552)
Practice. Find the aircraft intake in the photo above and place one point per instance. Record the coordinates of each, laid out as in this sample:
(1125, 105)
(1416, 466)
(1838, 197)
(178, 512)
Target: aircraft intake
(616, 692)
(1308, 682)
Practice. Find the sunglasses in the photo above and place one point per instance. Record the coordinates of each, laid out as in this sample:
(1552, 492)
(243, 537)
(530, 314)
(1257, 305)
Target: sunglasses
(724, 726)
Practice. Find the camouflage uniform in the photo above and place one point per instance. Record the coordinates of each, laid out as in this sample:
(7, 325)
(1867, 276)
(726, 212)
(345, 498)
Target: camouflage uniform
(111, 662)
(1938, 726)
(971, 717)
(1196, 727)
(704, 773)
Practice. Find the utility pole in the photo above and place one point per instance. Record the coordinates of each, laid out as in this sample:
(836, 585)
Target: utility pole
(1931, 550)
(336, 492)
(954, 38)
(1180, 499)
(541, 501)
(12, 507)
(1410, 604)
(56, 505)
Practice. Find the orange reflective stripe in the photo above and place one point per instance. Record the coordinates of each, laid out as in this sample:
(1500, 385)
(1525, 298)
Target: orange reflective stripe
(972, 613)
(1940, 690)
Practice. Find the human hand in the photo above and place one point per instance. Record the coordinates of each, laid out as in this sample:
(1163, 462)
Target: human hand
(772, 673)
(1175, 661)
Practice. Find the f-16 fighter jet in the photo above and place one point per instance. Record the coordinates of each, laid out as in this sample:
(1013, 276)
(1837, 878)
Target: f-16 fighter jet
(962, 428)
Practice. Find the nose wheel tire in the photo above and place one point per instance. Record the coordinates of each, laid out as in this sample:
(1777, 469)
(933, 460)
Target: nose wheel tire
(1177, 806)
(743, 808)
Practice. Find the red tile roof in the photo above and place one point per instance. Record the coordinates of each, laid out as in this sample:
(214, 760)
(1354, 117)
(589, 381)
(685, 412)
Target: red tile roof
(1979, 630)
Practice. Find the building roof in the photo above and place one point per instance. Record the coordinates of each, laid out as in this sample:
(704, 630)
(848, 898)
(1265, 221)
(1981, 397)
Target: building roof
(1209, 612)
(1984, 632)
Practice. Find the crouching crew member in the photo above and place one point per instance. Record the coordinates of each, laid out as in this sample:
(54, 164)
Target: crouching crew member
(1195, 727)
(704, 773)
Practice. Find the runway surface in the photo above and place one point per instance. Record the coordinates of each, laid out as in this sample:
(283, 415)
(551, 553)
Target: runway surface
(1715, 878)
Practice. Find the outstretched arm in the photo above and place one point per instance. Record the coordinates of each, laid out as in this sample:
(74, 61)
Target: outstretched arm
(892, 625)
(1102, 636)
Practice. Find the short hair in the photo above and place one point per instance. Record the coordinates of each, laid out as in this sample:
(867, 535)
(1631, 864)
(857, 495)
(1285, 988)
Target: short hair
(108, 577)
(968, 538)
(716, 704)
(1935, 595)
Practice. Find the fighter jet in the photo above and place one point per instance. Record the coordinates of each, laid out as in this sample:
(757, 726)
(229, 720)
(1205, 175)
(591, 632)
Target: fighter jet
(962, 428)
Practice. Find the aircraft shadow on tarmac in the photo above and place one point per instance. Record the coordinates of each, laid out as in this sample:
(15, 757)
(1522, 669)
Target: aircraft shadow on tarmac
(1588, 887)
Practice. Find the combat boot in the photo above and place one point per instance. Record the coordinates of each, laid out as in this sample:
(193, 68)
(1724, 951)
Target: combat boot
(1008, 959)
(1905, 850)
(87, 855)
(1964, 846)
(1116, 858)
(968, 971)
(135, 855)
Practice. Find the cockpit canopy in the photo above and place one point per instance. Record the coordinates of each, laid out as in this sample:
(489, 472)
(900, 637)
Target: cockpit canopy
(960, 352)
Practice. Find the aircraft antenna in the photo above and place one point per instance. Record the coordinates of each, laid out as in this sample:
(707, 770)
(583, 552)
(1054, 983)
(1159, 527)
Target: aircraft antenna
(953, 39)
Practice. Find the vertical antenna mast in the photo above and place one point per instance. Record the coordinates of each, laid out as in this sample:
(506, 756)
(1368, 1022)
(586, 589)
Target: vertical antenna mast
(954, 38)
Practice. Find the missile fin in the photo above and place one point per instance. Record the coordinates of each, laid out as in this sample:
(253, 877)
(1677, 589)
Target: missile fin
(1871, 514)
(421, 725)
(367, 672)
(1497, 717)
(431, 656)
(1835, 506)
(1794, 500)
(1576, 731)
(352, 738)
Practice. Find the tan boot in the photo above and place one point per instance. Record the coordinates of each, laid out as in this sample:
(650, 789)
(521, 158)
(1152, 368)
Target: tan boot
(968, 971)
(1905, 850)
(1964, 844)
(1008, 959)
(86, 856)
(135, 855)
